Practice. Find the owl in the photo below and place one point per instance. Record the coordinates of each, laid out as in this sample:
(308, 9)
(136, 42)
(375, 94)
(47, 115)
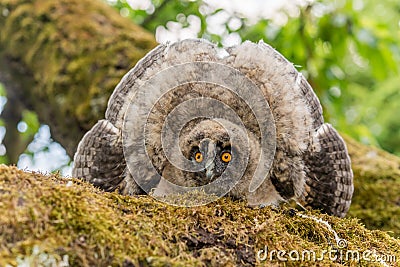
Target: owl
(241, 122)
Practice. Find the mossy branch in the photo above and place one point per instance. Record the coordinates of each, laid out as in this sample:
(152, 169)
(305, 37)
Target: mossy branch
(49, 217)
(65, 58)
(376, 199)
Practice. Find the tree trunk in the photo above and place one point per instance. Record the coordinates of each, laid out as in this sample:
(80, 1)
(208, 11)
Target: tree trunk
(63, 59)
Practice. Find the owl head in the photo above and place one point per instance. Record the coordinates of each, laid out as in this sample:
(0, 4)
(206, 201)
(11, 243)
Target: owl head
(211, 149)
(208, 146)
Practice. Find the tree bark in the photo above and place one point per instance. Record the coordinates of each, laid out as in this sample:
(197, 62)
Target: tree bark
(63, 59)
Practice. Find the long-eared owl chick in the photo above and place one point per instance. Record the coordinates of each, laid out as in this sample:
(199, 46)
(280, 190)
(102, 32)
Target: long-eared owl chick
(242, 122)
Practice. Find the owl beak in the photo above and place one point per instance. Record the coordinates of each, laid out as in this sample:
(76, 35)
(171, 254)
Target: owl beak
(210, 169)
(209, 148)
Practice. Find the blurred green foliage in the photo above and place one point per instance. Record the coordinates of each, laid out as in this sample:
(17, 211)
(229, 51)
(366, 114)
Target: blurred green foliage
(348, 50)
(31, 124)
(27, 127)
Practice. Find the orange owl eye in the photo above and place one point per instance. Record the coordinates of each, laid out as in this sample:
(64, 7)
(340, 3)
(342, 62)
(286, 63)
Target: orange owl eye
(226, 157)
(198, 157)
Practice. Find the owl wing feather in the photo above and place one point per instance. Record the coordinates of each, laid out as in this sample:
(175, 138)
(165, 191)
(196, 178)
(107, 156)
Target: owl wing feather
(304, 143)
(100, 159)
(329, 177)
(329, 183)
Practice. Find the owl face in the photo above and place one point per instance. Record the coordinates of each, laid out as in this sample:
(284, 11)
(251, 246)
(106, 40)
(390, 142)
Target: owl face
(208, 146)
(213, 156)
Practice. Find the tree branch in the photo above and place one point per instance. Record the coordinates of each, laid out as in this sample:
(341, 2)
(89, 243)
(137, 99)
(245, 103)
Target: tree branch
(65, 58)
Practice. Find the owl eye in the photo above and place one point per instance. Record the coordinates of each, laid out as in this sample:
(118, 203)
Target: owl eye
(226, 157)
(198, 157)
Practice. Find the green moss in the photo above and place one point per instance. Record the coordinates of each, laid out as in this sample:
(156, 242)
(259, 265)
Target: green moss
(376, 199)
(47, 217)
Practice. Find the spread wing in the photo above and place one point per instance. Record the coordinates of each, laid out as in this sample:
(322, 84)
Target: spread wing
(311, 163)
